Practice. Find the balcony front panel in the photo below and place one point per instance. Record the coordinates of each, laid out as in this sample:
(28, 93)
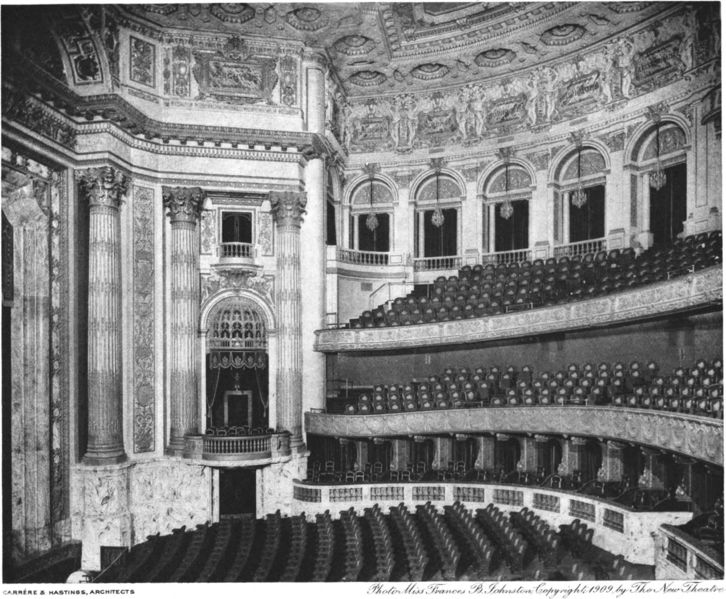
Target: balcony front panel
(632, 536)
(245, 450)
(698, 436)
(683, 293)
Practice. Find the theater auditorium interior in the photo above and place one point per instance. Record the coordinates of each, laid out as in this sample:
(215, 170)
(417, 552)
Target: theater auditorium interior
(362, 292)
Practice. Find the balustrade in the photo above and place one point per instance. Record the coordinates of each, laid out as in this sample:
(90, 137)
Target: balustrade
(236, 250)
(437, 263)
(367, 258)
(508, 257)
(580, 248)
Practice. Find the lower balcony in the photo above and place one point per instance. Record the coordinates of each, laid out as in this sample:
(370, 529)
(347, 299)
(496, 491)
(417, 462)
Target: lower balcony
(236, 450)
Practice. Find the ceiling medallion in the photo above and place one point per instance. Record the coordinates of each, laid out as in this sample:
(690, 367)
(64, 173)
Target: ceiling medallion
(561, 35)
(367, 78)
(495, 57)
(430, 71)
(159, 9)
(306, 18)
(354, 45)
(623, 7)
(232, 13)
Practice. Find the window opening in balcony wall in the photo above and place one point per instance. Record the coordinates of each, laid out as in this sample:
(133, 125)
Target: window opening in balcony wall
(580, 215)
(436, 220)
(371, 216)
(237, 235)
(505, 225)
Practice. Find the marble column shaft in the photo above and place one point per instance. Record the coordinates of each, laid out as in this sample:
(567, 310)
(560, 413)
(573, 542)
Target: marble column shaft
(104, 189)
(288, 209)
(485, 459)
(183, 205)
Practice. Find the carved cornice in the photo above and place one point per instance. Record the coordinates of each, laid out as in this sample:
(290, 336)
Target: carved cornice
(696, 436)
(103, 186)
(183, 204)
(680, 294)
(288, 207)
(30, 80)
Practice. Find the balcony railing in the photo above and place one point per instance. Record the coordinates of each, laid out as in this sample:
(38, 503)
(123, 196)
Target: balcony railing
(580, 248)
(437, 263)
(682, 556)
(235, 250)
(240, 448)
(507, 257)
(362, 257)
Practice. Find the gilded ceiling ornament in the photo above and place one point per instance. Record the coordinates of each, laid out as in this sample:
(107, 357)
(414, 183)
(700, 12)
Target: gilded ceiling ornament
(495, 57)
(354, 45)
(430, 71)
(367, 78)
(232, 13)
(561, 35)
(624, 7)
(306, 18)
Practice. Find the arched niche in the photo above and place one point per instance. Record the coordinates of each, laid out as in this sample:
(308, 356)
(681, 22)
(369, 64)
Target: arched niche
(371, 212)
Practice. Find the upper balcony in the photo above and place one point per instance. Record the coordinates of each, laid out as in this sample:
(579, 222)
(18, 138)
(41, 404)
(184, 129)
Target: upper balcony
(237, 256)
(234, 448)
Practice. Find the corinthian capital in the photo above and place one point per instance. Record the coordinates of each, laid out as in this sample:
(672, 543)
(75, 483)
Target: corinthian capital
(103, 186)
(183, 203)
(288, 207)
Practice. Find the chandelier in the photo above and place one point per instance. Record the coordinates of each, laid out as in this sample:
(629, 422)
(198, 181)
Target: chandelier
(507, 208)
(371, 219)
(437, 218)
(579, 197)
(658, 177)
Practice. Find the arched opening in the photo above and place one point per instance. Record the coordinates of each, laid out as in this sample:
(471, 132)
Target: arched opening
(371, 217)
(580, 199)
(237, 369)
(436, 219)
(661, 159)
(505, 223)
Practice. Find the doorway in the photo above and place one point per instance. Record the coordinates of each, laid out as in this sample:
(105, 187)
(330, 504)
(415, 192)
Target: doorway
(237, 491)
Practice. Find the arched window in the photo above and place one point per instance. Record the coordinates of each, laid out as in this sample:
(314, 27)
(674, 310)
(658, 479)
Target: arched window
(237, 337)
(661, 159)
(580, 199)
(436, 219)
(371, 216)
(507, 192)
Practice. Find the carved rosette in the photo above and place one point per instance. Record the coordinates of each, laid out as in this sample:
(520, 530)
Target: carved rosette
(183, 206)
(288, 208)
(104, 189)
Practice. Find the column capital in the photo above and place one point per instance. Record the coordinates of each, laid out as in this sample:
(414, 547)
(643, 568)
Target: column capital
(104, 185)
(288, 207)
(316, 58)
(541, 438)
(578, 440)
(183, 204)
(616, 445)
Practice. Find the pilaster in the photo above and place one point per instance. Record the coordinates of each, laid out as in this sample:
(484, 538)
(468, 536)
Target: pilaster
(485, 453)
(612, 465)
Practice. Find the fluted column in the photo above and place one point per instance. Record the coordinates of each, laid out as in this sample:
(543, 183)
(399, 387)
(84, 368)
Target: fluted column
(104, 188)
(183, 205)
(288, 209)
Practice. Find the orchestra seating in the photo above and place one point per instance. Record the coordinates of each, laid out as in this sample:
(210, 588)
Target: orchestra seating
(488, 290)
(488, 545)
(694, 390)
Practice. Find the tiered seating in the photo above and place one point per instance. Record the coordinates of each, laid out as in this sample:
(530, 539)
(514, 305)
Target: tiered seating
(324, 547)
(249, 535)
(695, 390)
(298, 546)
(416, 555)
(462, 547)
(273, 532)
(222, 538)
(353, 546)
(443, 545)
(191, 562)
(487, 290)
(498, 527)
(382, 544)
(545, 541)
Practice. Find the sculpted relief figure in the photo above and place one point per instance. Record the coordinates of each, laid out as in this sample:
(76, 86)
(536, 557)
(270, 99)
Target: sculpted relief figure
(478, 109)
(404, 120)
(533, 87)
(687, 48)
(550, 79)
(626, 54)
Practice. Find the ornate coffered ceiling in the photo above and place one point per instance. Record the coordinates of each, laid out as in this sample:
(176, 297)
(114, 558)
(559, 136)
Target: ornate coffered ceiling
(392, 47)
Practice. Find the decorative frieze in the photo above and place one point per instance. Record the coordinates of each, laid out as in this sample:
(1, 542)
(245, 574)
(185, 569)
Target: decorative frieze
(144, 360)
(699, 437)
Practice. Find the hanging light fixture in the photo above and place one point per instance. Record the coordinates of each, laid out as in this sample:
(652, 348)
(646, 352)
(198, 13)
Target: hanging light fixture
(507, 208)
(437, 218)
(658, 177)
(371, 219)
(579, 197)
